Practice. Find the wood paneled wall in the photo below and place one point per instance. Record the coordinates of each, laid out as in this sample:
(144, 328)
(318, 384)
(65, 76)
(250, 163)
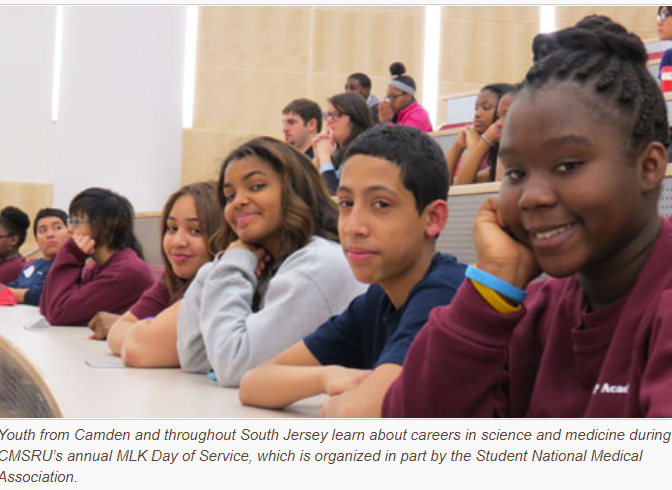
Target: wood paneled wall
(30, 198)
(481, 45)
(252, 61)
(640, 20)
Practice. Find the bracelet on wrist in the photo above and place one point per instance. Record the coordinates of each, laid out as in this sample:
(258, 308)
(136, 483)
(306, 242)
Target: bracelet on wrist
(487, 141)
(496, 284)
(494, 299)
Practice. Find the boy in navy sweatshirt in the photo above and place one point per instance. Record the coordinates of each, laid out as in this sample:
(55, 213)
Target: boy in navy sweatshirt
(392, 198)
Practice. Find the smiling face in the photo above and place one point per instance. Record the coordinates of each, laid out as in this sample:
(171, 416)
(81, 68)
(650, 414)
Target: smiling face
(52, 233)
(253, 194)
(664, 25)
(382, 234)
(484, 110)
(572, 190)
(184, 239)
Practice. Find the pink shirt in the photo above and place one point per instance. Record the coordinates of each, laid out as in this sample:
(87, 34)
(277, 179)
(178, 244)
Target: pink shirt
(416, 116)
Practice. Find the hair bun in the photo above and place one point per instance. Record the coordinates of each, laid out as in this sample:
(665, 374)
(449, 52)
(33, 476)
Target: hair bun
(15, 216)
(397, 69)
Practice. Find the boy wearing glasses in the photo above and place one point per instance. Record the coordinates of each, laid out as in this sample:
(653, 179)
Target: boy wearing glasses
(51, 232)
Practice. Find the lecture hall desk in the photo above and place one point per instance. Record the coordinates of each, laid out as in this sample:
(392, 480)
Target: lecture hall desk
(43, 373)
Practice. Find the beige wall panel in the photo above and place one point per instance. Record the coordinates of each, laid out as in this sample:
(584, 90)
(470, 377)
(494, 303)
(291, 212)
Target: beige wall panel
(459, 87)
(347, 41)
(496, 52)
(481, 45)
(260, 37)
(28, 197)
(388, 10)
(204, 151)
(641, 20)
(326, 85)
(502, 14)
(453, 88)
(244, 100)
(253, 60)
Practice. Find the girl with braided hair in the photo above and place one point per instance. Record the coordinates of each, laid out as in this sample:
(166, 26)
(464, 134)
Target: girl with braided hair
(583, 151)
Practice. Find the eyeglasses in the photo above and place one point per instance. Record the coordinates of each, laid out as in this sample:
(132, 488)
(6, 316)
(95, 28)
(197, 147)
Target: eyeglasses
(333, 115)
(391, 98)
(75, 222)
(663, 15)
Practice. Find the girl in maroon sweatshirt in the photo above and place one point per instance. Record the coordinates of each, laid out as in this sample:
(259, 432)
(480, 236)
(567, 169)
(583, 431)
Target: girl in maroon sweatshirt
(101, 222)
(584, 153)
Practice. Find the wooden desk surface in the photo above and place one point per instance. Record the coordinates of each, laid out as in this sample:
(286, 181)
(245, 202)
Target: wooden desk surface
(57, 356)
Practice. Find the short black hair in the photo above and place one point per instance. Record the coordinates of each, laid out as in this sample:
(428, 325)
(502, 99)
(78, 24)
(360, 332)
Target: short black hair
(16, 222)
(110, 217)
(362, 78)
(419, 158)
(49, 213)
(306, 109)
(601, 54)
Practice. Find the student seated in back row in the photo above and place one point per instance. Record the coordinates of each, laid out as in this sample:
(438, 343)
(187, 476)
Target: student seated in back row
(51, 232)
(101, 222)
(301, 122)
(392, 199)
(584, 156)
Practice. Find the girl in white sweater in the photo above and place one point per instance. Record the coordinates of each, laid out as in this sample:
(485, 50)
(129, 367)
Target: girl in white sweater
(281, 273)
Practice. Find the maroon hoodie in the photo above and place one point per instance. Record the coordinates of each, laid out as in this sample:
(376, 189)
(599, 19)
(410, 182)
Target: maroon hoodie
(73, 294)
(10, 269)
(552, 359)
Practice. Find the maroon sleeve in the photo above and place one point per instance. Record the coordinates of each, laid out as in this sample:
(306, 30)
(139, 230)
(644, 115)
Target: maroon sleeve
(654, 363)
(152, 302)
(456, 365)
(69, 298)
(10, 270)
